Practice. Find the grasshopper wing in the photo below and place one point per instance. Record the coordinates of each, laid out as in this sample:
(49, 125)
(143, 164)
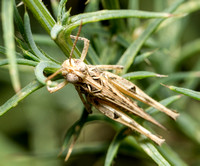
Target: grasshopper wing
(110, 94)
(135, 92)
(114, 113)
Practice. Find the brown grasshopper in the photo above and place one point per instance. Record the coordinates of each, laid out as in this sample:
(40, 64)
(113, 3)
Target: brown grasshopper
(107, 92)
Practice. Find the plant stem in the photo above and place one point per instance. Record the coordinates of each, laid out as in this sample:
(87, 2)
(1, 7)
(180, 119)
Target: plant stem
(47, 21)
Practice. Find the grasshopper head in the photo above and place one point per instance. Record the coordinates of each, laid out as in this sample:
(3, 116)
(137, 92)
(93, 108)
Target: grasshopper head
(74, 71)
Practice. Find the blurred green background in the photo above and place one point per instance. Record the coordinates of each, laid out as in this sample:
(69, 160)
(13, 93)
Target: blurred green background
(33, 132)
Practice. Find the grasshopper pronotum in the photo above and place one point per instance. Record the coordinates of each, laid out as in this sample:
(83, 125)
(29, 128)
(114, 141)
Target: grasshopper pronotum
(107, 92)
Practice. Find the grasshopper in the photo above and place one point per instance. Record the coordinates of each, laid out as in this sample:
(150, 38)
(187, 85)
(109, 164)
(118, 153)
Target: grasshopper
(107, 92)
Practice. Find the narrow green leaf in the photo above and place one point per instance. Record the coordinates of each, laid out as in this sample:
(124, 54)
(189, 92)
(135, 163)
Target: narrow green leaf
(115, 14)
(75, 129)
(39, 70)
(159, 5)
(115, 125)
(185, 9)
(92, 6)
(18, 21)
(171, 155)
(3, 51)
(171, 78)
(122, 41)
(192, 83)
(89, 148)
(164, 102)
(111, 14)
(13, 101)
(19, 61)
(132, 142)
(65, 17)
(29, 38)
(43, 39)
(189, 126)
(22, 44)
(185, 91)
(153, 152)
(134, 5)
(110, 4)
(61, 10)
(129, 55)
(54, 6)
(44, 17)
(93, 56)
(141, 75)
(29, 55)
(115, 25)
(188, 50)
(114, 146)
(73, 134)
(189, 7)
(140, 58)
(49, 57)
(8, 35)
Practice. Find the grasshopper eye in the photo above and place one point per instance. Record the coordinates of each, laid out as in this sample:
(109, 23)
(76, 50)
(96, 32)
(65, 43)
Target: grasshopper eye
(72, 78)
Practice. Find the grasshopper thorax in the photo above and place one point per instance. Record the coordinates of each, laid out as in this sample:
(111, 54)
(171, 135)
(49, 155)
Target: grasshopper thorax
(74, 70)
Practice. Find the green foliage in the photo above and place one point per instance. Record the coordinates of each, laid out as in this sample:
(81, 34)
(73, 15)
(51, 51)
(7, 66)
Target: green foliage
(144, 42)
(185, 91)
(8, 33)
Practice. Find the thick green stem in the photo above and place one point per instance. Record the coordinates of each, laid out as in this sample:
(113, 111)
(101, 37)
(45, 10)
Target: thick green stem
(47, 21)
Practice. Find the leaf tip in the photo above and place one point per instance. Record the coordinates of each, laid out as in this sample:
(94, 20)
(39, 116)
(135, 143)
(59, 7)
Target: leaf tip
(161, 76)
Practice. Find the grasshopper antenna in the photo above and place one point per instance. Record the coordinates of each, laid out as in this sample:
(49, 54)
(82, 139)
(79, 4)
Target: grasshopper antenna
(76, 39)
